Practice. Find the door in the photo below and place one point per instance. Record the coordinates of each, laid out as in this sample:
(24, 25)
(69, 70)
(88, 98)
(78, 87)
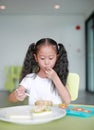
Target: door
(89, 29)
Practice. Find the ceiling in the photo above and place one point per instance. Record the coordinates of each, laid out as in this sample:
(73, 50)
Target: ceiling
(46, 7)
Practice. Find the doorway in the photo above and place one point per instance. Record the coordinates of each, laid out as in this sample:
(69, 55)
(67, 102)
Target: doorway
(89, 29)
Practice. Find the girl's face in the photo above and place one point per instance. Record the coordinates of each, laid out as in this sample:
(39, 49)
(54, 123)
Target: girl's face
(46, 57)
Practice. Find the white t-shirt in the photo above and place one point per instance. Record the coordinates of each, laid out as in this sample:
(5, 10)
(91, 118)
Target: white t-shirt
(40, 89)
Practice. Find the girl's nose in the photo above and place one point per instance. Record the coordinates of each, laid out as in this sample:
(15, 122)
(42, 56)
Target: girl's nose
(46, 62)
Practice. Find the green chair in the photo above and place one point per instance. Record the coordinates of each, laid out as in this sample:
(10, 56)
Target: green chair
(12, 77)
(73, 82)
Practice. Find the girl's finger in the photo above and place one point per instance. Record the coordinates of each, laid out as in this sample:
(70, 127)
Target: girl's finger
(46, 72)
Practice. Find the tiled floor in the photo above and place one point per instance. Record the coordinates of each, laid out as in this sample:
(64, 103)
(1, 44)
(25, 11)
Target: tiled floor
(83, 98)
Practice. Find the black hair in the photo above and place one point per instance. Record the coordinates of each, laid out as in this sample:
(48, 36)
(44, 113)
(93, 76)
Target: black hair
(30, 65)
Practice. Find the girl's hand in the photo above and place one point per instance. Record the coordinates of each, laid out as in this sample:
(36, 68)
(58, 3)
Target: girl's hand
(50, 73)
(20, 93)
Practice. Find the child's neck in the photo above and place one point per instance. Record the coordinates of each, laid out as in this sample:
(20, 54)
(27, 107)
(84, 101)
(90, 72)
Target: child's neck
(42, 74)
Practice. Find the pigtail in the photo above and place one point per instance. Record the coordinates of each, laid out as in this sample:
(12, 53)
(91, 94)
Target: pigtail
(61, 66)
(29, 62)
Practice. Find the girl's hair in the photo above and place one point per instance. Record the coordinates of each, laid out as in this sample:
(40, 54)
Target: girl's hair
(61, 66)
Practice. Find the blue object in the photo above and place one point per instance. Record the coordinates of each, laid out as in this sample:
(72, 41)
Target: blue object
(80, 111)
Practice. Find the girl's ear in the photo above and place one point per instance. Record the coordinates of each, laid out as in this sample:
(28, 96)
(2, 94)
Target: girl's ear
(35, 57)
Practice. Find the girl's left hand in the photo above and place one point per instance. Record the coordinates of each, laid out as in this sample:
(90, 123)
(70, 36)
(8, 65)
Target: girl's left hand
(20, 93)
(50, 73)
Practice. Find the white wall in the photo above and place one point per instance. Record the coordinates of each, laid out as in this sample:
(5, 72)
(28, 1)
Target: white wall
(17, 32)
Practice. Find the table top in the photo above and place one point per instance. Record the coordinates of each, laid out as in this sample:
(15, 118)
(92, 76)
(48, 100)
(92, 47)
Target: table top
(67, 122)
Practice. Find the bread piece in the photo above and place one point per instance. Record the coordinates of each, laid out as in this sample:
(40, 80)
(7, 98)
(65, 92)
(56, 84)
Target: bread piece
(41, 110)
(44, 102)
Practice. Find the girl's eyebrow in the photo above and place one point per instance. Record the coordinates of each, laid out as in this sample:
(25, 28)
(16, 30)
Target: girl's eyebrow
(44, 55)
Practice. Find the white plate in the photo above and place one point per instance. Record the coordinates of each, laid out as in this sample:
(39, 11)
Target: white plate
(23, 115)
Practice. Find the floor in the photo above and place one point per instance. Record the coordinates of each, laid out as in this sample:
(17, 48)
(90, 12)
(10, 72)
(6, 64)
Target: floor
(83, 98)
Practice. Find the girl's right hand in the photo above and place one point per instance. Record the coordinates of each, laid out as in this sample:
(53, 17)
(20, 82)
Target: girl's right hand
(50, 73)
(20, 93)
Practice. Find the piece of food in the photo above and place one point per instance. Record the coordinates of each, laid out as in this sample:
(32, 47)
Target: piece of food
(81, 109)
(44, 102)
(41, 110)
(64, 106)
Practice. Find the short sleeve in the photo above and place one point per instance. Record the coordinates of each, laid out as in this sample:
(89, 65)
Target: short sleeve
(26, 83)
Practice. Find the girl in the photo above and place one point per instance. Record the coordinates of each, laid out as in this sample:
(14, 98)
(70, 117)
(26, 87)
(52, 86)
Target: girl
(44, 74)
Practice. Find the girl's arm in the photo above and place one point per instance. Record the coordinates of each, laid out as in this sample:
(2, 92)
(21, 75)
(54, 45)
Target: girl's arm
(17, 95)
(62, 90)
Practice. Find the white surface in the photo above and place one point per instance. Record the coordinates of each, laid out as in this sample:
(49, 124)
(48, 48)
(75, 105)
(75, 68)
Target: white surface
(23, 115)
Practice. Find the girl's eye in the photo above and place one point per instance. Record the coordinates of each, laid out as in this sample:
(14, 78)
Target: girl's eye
(51, 58)
(42, 58)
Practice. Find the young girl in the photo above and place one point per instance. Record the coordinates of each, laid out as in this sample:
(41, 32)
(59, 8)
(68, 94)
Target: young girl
(44, 74)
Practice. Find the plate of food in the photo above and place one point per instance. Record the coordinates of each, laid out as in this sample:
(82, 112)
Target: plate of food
(31, 114)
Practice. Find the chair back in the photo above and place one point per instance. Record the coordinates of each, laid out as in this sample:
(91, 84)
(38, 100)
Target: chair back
(73, 81)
